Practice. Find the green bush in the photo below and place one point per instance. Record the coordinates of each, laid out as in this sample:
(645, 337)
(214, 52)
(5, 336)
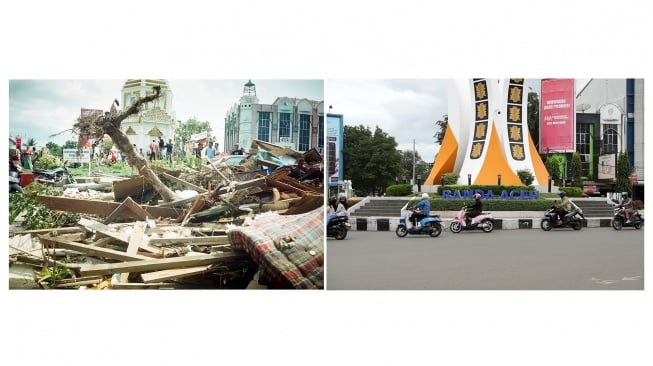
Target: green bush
(525, 176)
(399, 190)
(47, 161)
(488, 205)
(572, 191)
(450, 178)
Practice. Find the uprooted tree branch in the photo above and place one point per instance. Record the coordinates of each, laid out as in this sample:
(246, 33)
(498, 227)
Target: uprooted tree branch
(98, 126)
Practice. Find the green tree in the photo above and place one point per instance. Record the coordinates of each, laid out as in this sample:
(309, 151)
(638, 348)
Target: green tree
(442, 124)
(623, 173)
(371, 160)
(533, 117)
(553, 167)
(186, 129)
(54, 149)
(422, 168)
(576, 170)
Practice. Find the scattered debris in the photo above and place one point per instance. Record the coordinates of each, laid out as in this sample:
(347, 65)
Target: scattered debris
(226, 225)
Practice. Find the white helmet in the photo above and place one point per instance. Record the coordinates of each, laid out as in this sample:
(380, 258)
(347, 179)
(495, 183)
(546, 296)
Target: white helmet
(425, 195)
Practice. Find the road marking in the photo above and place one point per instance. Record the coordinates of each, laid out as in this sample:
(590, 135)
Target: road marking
(631, 278)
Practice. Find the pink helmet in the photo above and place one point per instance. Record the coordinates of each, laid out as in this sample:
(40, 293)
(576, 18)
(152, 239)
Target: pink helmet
(477, 196)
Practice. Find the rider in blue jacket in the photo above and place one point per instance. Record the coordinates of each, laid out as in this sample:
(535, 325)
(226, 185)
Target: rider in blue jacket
(422, 209)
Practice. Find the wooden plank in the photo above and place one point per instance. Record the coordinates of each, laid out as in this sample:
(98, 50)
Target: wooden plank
(247, 184)
(159, 264)
(194, 240)
(91, 250)
(134, 187)
(198, 204)
(92, 225)
(171, 274)
(135, 241)
(102, 208)
(57, 230)
(129, 205)
(184, 183)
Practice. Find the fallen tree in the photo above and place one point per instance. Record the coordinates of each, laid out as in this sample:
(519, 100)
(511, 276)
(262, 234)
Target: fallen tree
(98, 125)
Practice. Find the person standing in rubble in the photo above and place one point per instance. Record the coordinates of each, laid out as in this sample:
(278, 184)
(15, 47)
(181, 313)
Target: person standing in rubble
(236, 150)
(153, 150)
(162, 146)
(169, 147)
(210, 151)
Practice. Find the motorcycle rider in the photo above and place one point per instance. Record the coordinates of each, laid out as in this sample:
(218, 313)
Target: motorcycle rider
(341, 210)
(627, 204)
(562, 208)
(331, 209)
(475, 209)
(421, 210)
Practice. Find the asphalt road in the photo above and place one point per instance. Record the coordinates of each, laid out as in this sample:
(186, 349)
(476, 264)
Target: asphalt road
(527, 259)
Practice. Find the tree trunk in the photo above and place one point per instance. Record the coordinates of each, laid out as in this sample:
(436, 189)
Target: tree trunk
(110, 124)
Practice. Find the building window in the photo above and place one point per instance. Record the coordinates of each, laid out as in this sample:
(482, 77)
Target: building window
(264, 120)
(304, 141)
(284, 127)
(320, 134)
(583, 138)
(610, 141)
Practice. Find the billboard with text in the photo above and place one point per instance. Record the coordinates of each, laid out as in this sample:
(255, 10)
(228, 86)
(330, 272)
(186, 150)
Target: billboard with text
(557, 124)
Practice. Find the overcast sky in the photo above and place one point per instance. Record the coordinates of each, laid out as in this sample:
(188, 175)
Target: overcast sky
(40, 108)
(406, 109)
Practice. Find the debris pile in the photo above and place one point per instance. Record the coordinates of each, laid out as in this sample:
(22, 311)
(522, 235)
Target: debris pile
(257, 224)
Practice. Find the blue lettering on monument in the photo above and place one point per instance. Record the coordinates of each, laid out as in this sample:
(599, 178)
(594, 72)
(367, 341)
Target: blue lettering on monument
(515, 194)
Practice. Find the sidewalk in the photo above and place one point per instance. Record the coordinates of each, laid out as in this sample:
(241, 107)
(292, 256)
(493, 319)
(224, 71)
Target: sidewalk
(502, 220)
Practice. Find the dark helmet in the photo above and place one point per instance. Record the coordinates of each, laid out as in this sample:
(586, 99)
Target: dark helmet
(332, 200)
(562, 194)
(343, 199)
(477, 196)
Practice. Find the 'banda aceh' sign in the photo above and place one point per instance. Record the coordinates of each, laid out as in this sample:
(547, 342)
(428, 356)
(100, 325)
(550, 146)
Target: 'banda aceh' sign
(515, 194)
(76, 156)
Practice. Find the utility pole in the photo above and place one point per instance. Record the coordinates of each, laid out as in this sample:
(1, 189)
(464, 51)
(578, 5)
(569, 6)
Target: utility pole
(413, 181)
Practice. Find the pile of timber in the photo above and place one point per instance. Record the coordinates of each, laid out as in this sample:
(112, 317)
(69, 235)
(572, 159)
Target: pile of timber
(138, 241)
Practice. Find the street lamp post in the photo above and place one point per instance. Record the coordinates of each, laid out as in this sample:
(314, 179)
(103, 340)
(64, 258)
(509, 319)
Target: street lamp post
(469, 179)
(499, 179)
(550, 177)
(419, 183)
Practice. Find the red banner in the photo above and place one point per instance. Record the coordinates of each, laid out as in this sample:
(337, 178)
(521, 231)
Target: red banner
(557, 123)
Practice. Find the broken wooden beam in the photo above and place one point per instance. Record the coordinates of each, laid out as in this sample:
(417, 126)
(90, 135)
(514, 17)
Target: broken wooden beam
(94, 226)
(184, 183)
(193, 240)
(135, 241)
(129, 205)
(171, 274)
(160, 264)
(102, 208)
(55, 242)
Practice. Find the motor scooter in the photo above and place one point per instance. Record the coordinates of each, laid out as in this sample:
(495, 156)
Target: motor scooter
(54, 177)
(573, 219)
(337, 227)
(484, 221)
(429, 225)
(15, 171)
(619, 218)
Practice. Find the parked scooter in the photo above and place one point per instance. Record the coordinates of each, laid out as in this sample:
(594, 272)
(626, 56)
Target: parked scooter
(15, 170)
(484, 221)
(619, 218)
(573, 219)
(54, 177)
(430, 225)
(337, 227)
